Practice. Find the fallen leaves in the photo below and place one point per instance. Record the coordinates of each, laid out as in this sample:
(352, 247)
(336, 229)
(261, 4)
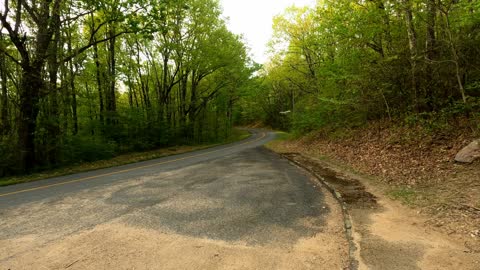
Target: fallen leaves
(409, 157)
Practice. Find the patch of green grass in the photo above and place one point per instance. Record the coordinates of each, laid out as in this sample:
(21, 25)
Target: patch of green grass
(237, 135)
(406, 195)
(281, 137)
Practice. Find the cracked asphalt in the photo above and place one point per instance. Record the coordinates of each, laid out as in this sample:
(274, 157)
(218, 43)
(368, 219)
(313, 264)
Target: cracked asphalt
(236, 206)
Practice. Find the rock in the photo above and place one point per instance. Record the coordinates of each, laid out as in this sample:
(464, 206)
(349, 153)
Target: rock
(470, 153)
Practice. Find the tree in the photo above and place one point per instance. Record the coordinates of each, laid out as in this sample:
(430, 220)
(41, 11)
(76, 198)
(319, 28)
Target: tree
(342, 63)
(89, 79)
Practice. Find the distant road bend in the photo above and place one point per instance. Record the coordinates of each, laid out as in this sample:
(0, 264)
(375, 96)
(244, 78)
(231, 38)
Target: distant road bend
(236, 206)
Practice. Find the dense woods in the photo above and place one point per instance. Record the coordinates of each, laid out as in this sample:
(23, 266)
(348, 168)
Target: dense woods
(83, 80)
(344, 63)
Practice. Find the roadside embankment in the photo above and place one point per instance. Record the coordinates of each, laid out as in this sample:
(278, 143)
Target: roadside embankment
(406, 193)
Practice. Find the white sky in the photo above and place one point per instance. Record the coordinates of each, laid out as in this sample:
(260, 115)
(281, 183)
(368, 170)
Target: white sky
(253, 19)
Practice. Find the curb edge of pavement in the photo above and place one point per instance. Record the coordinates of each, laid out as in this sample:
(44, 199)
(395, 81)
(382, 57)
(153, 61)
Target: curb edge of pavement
(347, 220)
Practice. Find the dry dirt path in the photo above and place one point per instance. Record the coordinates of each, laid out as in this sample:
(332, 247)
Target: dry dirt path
(238, 206)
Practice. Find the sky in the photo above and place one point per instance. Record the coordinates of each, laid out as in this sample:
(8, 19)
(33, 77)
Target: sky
(253, 19)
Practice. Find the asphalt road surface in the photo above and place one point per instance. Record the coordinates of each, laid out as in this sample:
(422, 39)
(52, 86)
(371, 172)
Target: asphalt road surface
(236, 206)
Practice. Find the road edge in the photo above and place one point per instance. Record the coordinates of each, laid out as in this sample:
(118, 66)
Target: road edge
(46, 175)
(347, 219)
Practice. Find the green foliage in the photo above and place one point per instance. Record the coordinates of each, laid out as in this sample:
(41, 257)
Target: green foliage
(138, 75)
(343, 63)
(7, 157)
(86, 149)
(443, 121)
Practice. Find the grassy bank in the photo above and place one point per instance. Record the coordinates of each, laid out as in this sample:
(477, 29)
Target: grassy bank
(237, 135)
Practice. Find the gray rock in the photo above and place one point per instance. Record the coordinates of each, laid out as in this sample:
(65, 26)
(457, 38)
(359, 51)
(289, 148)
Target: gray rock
(470, 153)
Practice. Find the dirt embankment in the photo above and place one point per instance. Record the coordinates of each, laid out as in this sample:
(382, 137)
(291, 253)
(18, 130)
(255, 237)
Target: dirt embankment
(376, 168)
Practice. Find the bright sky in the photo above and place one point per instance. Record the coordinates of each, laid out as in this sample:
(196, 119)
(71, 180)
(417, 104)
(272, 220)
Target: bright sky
(253, 19)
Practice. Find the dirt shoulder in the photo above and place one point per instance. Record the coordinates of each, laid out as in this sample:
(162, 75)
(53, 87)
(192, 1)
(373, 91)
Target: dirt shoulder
(410, 221)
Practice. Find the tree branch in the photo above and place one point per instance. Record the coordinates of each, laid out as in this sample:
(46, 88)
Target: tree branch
(30, 11)
(19, 44)
(18, 16)
(69, 19)
(10, 56)
(92, 43)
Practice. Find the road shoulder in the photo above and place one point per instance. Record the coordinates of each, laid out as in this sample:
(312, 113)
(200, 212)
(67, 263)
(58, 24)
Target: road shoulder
(388, 235)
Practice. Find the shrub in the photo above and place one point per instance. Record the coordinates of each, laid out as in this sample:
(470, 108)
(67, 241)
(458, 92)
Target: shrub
(84, 149)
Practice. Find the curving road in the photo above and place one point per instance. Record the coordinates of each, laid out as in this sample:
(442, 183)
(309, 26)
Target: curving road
(236, 206)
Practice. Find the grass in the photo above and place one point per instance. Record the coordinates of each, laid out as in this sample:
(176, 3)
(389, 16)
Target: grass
(406, 195)
(129, 158)
(281, 136)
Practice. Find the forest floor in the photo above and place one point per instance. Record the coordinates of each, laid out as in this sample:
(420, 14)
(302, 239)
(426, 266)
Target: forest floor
(403, 164)
(123, 159)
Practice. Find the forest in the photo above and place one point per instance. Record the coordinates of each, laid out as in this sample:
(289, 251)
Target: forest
(83, 80)
(344, 63)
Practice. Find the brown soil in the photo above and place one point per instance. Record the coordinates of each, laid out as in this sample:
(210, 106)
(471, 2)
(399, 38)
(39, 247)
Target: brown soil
(117, 246)
(352, 191)
(390, 235)
(412, 166)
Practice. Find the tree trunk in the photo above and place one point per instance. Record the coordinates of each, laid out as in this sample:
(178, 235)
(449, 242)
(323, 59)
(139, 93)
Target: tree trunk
(430, 53)
(386, 27)
(90, 110)
(183, 103)
(431, 22)
(130, 87)
(53, 126)
(193, 107)
(4, 117)
(99, 82)
(412, 42)
(456, 59)
(31, 84)
(162, 98)
(73, 92)
(110, 95)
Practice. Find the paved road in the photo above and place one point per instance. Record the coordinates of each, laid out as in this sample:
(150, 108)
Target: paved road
(237, 206)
